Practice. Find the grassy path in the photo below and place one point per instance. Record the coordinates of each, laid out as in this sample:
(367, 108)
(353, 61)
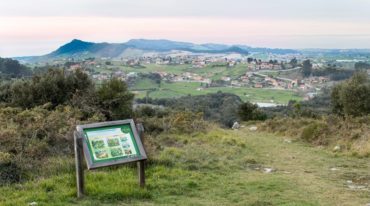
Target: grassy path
(222, 167)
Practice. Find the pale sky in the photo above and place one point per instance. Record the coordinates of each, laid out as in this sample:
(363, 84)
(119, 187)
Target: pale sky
(36, 27)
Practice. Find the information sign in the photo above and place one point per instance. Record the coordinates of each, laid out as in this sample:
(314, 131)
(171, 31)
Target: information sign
(111, 143)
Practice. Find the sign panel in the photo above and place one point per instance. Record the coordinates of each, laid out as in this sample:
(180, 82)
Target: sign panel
(111, 143)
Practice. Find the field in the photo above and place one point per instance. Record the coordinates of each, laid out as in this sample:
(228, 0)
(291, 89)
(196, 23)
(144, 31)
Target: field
(219, 167)
(178, 89)
(212, 71)
(147, 68)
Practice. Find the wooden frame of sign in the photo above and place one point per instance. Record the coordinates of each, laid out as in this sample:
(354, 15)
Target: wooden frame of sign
(106, 144)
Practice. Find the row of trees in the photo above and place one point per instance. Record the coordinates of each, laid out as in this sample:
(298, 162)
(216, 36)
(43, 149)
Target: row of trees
(331, 71)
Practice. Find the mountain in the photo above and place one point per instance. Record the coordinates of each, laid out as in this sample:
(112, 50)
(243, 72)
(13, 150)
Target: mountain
(136, 47)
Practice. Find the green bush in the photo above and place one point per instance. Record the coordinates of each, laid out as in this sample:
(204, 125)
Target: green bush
(310, 132)
(55, 87)
(248, 111)
(352, 97)
(114, 99)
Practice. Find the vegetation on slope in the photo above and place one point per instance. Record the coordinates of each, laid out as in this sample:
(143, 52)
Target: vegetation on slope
(212, 167)
(192, 162)
(39, 114)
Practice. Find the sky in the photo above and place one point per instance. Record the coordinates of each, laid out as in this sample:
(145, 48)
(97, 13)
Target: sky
(37, 27)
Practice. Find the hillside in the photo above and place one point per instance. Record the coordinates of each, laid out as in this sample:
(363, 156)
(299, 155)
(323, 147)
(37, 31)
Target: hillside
(218, 167)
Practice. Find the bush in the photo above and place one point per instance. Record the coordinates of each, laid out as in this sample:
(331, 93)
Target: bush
(38, 117)
(114, 99)
(248, 111)
(311, 132)
(353, 133)
(27, 137)
(218, 107)
(185, 122)
(55, 87)
(352, 98)
(9, 173)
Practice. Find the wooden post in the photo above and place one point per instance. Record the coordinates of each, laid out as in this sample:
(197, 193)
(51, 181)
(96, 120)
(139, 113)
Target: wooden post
(141, 164)
(141, 173)
(80, 182)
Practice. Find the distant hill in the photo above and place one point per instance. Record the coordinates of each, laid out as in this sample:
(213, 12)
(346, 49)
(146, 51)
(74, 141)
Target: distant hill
(82, 49)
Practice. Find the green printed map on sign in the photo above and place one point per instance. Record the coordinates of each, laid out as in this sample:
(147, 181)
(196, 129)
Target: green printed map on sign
(111, 143)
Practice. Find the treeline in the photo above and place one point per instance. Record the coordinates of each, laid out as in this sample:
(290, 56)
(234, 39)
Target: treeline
(362, 66)
(348, 98)
(224, 108)
(331, 71)
(316, 107)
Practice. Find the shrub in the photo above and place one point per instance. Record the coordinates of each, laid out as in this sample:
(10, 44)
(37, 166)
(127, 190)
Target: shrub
(218, 107)
(248, 111)
(55, 87)
(310, 132)
(352, 98)
(114, 99)
(30, 136)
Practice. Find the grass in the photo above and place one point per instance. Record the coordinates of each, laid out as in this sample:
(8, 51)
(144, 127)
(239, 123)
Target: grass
(179, 89)
(147, 68)
(211, 71)
(220, 167)
(214, 72)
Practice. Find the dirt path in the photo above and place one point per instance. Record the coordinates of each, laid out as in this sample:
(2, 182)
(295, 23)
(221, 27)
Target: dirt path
(328, 178)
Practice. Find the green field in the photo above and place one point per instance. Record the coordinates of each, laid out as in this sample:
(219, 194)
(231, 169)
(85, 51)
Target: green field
(147, 68)
(179, 89)
(212, 71)
(219, 167)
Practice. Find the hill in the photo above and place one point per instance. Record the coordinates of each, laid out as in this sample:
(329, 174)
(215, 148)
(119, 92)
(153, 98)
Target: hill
(82, 49)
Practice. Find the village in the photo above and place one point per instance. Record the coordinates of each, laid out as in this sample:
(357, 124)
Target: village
(253, 73)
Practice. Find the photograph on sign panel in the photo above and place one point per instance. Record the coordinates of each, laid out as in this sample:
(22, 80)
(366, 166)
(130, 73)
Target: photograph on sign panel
(111, 142)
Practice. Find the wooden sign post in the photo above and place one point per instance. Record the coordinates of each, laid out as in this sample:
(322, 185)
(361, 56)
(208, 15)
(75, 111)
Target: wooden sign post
(106, 144)
(141, 163)
(80, 178)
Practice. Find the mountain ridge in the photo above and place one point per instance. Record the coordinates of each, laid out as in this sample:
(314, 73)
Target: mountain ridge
(82, 49)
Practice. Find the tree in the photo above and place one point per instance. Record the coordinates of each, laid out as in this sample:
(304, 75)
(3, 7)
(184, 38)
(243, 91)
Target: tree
(307, 68)
(55, 87)
(248, 111)
(293, 62)
(115, 100)
(352, 98)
